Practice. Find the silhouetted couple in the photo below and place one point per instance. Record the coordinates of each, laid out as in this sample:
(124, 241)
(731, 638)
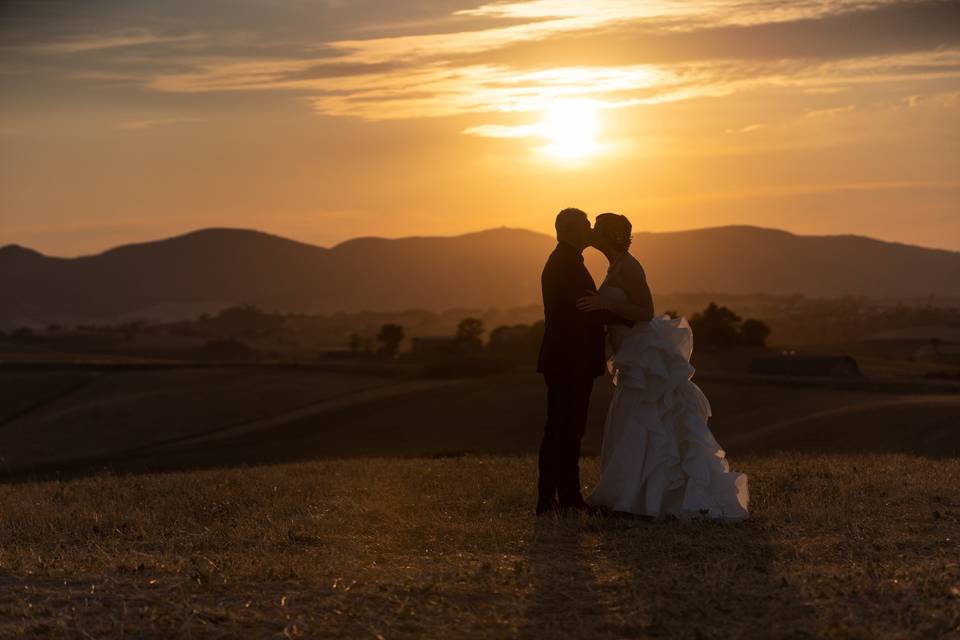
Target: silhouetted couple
(658, 458)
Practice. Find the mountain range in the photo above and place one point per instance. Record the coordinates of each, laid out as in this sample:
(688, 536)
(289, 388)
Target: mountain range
(206, 270)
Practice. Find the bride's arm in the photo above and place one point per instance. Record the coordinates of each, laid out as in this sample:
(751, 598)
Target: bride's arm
(640, 305)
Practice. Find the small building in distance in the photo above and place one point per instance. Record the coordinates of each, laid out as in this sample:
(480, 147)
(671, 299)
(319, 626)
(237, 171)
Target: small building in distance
(813, 366)
(435, 345)
(929, 343)
(511, 339)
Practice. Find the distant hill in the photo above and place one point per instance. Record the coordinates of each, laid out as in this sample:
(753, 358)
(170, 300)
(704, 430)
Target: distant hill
(212, 268)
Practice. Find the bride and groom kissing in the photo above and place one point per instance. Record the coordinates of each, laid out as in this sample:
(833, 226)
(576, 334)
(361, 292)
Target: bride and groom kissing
(659, 458)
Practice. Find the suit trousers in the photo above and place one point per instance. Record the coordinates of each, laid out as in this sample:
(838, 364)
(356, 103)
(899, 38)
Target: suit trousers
(568, 399)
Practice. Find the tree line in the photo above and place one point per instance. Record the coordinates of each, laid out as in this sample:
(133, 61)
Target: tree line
(716, 327)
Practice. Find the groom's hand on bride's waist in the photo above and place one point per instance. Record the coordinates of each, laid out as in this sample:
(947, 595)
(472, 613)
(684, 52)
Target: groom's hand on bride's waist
(593, 302)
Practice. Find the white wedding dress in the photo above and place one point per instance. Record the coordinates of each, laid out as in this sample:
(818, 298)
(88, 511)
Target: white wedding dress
(659, 457)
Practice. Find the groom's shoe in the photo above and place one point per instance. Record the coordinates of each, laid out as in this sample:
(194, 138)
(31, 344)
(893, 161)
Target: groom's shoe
(547, 507)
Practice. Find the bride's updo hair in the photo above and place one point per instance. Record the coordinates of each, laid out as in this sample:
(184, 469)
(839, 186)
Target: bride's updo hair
(615, 230)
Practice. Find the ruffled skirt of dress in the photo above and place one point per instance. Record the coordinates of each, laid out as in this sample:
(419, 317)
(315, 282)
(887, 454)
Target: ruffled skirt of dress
(659, 456)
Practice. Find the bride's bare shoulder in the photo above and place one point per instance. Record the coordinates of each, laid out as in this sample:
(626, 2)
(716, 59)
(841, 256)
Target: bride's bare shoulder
(632, 267)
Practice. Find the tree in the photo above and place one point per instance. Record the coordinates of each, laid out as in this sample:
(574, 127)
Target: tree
(390, 337)
(469, 333)
(508, 339)
(500, 339)
(754, 333)
(716, 326)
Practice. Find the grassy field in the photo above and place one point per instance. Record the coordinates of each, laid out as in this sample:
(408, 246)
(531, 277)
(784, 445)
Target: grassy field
(860, 546)
(403, 509)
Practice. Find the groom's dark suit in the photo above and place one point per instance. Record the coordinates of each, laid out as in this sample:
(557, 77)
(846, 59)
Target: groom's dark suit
(572, 354)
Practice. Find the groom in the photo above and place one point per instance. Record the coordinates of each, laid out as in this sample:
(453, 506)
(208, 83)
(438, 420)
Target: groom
(572, 354)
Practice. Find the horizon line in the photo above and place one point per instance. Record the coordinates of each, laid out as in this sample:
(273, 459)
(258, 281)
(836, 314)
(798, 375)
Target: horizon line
(253, 230)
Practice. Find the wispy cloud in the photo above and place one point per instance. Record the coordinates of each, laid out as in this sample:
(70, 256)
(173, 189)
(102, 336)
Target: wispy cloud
(552, 18)
(685, 14)
(141, 125)
(782, 191)
(826, 113)
(101, 42)
(750, 128)
(504, 131)
(439, 71)
(945, 99)
(437, 89)
(232, 75)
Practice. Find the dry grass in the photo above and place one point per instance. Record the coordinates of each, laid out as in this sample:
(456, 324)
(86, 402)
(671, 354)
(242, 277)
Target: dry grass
(855, 546)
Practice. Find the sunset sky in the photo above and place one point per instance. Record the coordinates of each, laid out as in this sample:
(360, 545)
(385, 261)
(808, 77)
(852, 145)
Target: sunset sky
(131, 120)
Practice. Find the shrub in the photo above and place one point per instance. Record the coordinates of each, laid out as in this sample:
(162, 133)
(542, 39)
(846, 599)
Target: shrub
(718, 327)
(715, 326)
(470, 332)
(754, 333)
(390, 337)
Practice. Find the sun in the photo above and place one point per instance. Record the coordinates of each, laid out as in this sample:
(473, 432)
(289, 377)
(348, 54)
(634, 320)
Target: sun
(570, 129)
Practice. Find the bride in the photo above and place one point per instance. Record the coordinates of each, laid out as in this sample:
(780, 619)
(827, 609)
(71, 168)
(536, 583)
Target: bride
(659, 457)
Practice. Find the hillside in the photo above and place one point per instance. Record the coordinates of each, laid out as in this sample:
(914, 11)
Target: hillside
(209, 269)
(860, 546)
(70, 422)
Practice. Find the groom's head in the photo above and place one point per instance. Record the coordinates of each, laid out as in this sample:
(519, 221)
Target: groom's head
(573, 228)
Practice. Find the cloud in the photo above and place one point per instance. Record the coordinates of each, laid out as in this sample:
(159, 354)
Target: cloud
(392, 91)
(503, 131)
(140, 125)
(770, 31)
(747, 129)
(610, 27)
(946, 100)
(821, 113)
(781, 191)
(94, 42)
(442, 91)
(679, 15)
(521, 56)
(232, 75)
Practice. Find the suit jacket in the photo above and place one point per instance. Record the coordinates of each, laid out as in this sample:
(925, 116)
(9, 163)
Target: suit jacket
(574, 342)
